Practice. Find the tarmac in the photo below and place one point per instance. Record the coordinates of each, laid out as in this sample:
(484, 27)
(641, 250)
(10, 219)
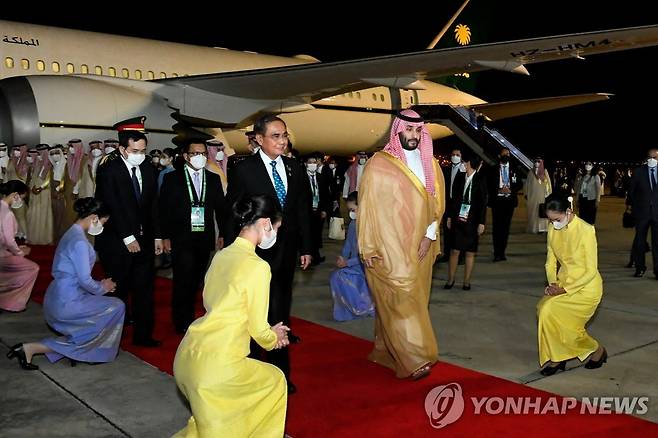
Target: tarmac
(491, 328)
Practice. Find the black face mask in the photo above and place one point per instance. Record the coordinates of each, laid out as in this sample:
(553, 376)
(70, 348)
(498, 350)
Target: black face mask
(504, 159)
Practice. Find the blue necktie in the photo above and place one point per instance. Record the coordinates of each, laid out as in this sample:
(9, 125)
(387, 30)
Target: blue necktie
(278, 185)
(138, 191)
(653, 178)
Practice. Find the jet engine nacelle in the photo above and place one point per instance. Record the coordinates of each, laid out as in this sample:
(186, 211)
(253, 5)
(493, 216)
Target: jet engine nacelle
(55, 109)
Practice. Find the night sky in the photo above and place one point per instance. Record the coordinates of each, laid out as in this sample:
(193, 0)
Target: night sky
(618, 130)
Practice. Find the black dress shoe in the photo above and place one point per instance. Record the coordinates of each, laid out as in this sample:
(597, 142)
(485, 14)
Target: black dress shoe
(549, 371)
(594, 364)
(293, 338)
(291, 388)
(148, 342)
(639, 272)
(467, 286)
(448, 286)
(18, 352)
(499, 258)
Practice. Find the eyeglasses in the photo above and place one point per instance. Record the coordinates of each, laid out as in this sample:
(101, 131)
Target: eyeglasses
(194, 154)
(277, 136)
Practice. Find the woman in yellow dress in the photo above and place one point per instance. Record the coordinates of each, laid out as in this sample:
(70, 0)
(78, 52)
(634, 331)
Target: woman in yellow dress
(573, 293)
(230, 394)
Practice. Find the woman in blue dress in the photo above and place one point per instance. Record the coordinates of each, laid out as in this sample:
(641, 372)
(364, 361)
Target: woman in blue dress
(348, 284)
(90, 323)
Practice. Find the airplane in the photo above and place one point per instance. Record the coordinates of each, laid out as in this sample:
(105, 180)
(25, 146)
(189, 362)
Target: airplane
(57, 84)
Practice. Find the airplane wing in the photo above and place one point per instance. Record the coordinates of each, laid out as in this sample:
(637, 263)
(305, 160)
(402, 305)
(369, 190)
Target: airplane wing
(310, 82)
(504, 110)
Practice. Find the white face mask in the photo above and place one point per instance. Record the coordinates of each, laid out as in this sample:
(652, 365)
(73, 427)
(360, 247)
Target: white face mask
(3, 154)
(219, 156)
(17, 203)
(332, 166)
(71, 150)
(17, 153)
(652, 162)
(155, 160)
(588, 167)
(353, 215)
(312, 167)
(30, 160)
(198, 162)
(109, 150)
(561, 224)
(135, 159)
(56, 157)
(268, 242)
(164, 161)
(95, 228)
(362, 161)
(96, 152)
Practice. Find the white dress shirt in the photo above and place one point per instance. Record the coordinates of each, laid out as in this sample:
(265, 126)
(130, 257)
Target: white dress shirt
(415, 164)
(191, 172)
(280, 168)
(346, 184)
(130, 239)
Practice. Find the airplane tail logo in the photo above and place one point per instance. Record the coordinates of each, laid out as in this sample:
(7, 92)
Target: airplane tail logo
(462, 34)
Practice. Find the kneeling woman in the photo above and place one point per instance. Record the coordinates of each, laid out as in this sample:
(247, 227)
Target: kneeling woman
(74, 305)
(230, 394)
(573, 293)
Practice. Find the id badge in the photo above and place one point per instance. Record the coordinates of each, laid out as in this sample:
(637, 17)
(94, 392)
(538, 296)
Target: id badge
(197, 219)
(463, 212)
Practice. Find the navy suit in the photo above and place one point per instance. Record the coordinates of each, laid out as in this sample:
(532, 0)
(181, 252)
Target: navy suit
(643, 200)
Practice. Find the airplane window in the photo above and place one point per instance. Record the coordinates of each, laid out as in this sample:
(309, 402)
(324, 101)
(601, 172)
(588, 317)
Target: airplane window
(151, 75)
(381, 97)
(55, 67)
(358, 95)
(9, 62)
(163, 75)
(99, 70)
(41, 66)
(125, 73)
(25, 63)
(374, 96)
(84, 68)
(174, 75)
(70, 68)
(112, 72)
(412, 99)
(351, 95)
(138, 74)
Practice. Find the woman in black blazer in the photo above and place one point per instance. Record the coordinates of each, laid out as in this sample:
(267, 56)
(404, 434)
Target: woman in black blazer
(466, 213)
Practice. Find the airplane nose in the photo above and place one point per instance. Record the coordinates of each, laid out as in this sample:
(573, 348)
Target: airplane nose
(19, 118)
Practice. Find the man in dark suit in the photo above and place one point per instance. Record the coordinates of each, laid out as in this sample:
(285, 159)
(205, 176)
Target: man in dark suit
(191, 199)
(320, 204)
(504, 184)
(267, 172)
(450, 174)
(335, 180)
(643, 200)
(128, 187)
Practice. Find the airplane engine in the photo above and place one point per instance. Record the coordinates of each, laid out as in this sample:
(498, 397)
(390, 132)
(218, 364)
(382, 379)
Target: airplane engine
(55, 109)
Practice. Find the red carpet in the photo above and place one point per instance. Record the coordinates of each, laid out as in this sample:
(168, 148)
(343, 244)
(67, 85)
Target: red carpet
(343, 395)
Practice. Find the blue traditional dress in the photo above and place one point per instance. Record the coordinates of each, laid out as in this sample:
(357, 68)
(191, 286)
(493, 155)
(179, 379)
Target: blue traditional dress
(348, 285)
(74, 305)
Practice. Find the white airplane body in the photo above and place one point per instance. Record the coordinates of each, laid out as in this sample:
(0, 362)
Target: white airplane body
(57, 84)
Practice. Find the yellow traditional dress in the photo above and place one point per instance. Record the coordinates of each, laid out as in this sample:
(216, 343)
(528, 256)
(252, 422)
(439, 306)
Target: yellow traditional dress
(230, 394)
(395, 210)
(562, 318)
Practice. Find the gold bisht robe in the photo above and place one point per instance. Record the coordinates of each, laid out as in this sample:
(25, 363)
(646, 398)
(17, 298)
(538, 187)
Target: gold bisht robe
(40, 212)
(394, 213)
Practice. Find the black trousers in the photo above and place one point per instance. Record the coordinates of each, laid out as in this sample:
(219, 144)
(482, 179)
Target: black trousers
(639, 244)
(587, 210)
(134, 275)
(316, 233)
(279, 310)
(502, 211)
(189, 265)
